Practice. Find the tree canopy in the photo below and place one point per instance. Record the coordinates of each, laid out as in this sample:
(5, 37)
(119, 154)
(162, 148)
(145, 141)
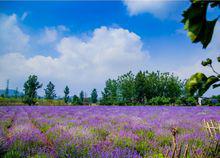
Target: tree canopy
(66, 94)
(140, 88)
(50, 91)
(30, 89)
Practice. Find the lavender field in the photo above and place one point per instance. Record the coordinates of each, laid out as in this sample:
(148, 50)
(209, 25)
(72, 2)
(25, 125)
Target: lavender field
(101, 131)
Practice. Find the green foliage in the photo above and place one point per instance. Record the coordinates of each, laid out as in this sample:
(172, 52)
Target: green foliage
(159, 101)
(140, 86)
(132, 90)
(30, 90)
(190, 101)
(146, 134)
(50, 91)
(94, 96)
(200, 30)
(208, 61)
(66, 94)
(76, 100)
(142, 147)
(164, 141)
(123, 142)
(198, 84)
(81, 97)
(109, 95)
(126, 87)
(160, 155)
(12, 154)
(213, 101)
(46, 102)
(11, 101)
(101, 133)
(195, 22)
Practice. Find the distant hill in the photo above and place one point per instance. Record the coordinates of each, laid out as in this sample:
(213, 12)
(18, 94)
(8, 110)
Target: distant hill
(11, 92)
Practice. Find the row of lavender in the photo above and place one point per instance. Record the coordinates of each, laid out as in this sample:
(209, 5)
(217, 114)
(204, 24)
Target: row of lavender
(99, 132)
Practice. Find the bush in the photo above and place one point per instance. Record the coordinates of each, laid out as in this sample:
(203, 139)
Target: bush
(178, 102)
(159, 101)
(191, 101)
(10, 101)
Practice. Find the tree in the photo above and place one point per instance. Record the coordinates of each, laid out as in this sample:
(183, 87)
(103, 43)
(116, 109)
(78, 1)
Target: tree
(76, 100)
(126, 86)
(50, 91)
(81, 97)
(66, 94)
(110, 95)
(94, 96)
(30, 89)
(201, 30)
(140, 86)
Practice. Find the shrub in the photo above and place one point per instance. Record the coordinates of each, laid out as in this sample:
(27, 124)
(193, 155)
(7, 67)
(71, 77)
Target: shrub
(191, 101)
(159, 101)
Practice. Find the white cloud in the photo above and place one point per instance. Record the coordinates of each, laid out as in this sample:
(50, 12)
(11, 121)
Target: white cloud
(52, 34)
(49, 35)
(81, 64)
(159, 8)
(12, 38)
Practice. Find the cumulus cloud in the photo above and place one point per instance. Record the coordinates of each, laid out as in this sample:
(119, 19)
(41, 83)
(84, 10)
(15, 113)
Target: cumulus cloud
(52, 34)
(49, 35)
(157, 8)
(81, 64)
(12, 38)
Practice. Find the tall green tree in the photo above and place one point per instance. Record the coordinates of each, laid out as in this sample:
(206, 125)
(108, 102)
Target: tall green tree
(110, 93)
(126, 86)
(30, 89)
(94, 96)
(140, 86)
(50, 91)
(81, 97)
(66, 94)
(76, 100)
(201, 30)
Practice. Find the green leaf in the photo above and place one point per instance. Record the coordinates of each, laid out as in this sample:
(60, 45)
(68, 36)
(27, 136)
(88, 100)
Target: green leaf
(218, 58)
(194, 19)
(195, 83)
(211, 80)
(198, 84)
(204, 63)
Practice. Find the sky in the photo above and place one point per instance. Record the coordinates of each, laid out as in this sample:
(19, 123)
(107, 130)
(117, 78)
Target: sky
(83, 43)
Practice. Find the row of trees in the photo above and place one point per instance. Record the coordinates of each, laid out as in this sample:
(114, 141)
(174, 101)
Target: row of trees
(32, 85)
(141, 88)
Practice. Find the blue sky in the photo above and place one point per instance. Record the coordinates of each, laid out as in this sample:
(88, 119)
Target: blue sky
(76, 40)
